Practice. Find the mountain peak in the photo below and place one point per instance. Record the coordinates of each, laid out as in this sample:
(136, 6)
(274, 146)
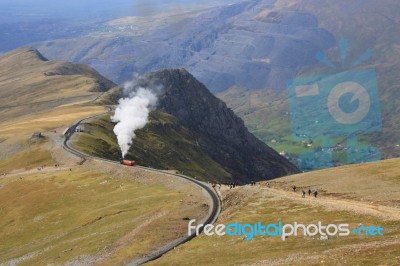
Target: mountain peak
(219, 132)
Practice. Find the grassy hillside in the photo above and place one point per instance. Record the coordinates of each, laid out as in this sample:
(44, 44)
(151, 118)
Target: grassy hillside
(74, 214)
(45, 222)
(361, 194)
(37, 95)
(373, 182)
(30, 84)
(26, 155)
(162, 144)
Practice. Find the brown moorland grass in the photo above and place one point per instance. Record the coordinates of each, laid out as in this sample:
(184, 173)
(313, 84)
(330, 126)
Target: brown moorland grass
(49, 120)
(272, 205)
(84, 216)
(31, 84)
(377, 182)
(31, 157)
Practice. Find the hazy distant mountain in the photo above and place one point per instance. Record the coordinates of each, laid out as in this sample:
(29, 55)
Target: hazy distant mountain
(230, 45)
(366, 25)
(23, 22)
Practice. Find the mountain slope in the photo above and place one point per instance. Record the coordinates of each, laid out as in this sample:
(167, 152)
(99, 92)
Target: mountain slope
(163, 144)
(364, 200)
(29, 83)
(224, 135)
(195, 132)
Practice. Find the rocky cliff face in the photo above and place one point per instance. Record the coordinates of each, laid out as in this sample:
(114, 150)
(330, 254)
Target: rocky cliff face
(254, 44)
(219, 132)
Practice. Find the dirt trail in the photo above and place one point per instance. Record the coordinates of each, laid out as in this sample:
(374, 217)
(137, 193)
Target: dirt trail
(383, 212)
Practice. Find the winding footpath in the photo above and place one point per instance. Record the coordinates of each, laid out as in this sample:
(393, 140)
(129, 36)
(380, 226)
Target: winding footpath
(213, 212)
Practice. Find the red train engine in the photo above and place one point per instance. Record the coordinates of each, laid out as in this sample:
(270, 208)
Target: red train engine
(128, 162)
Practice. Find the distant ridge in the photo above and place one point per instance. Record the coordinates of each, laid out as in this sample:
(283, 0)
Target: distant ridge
(29, 82)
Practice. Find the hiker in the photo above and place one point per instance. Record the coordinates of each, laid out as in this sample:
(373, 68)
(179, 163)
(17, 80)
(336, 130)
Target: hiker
(268, 185)
(309, 192)
(315, 193)
(294, 188)
(303, 194)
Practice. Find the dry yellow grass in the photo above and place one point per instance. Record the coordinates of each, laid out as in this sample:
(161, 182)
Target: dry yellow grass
(96, 213)
(271, 205)
(31, 157)
(30, 84)
(373, 182)
(49, 120)
(57, 217)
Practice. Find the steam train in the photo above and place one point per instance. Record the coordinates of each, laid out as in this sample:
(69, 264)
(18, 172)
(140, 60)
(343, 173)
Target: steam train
(128, 162)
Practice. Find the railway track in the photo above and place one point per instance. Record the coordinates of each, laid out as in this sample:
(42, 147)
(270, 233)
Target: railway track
(212, 215)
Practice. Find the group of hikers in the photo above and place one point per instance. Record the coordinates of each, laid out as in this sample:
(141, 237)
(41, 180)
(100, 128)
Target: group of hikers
(41, 167)
(268, 184)
(303, 193)
(234, 184)
(56, 166)
(230, 185)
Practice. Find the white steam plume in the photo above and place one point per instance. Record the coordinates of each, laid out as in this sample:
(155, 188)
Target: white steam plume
(132, 114)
